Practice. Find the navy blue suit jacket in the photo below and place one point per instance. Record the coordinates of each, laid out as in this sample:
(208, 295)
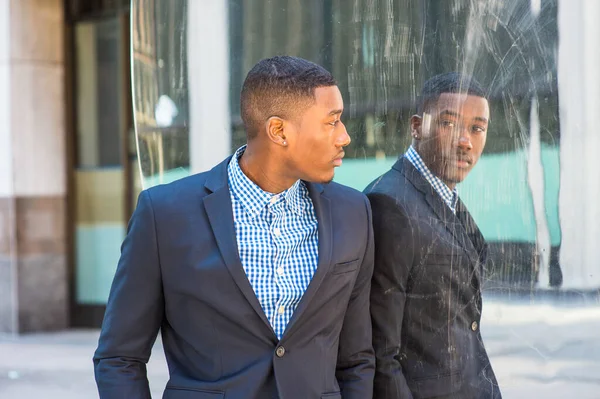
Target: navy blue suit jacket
(426, 294)
(180, 272)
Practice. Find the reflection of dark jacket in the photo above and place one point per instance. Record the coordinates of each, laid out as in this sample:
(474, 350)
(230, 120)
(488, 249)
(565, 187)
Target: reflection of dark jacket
(425, 297)
(180, 272)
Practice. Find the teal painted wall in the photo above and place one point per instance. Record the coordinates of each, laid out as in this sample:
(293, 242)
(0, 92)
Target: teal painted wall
(98, 248)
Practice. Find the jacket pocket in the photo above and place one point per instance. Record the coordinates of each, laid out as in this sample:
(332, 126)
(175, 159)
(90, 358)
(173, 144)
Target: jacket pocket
(436, 385)
(332, 395)
(444, 259)
(191, 393)
(345, 267)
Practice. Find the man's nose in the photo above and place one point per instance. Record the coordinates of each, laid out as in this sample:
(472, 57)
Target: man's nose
(344, 138)
(464, 140)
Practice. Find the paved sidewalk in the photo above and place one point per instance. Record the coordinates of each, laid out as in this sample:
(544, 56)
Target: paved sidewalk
(59, 366)
(538, 351)
(544, 351)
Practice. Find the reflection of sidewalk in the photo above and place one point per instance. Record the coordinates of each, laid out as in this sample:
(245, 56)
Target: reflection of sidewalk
(544, 351)
(538, 351)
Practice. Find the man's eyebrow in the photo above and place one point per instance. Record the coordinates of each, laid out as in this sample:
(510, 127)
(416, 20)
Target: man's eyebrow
(457, 115)
(450, 113)
(336, 112)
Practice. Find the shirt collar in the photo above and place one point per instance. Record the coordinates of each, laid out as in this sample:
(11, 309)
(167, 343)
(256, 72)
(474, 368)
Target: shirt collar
(450, 197)
(254, 199)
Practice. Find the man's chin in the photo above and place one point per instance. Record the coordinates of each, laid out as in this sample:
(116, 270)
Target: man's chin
(325, 181)
(457, 177)
(320, 179)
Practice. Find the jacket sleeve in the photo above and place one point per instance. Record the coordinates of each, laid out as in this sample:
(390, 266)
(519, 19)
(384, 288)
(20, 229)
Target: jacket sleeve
(134, 311)
(394, 245)
(356, 361)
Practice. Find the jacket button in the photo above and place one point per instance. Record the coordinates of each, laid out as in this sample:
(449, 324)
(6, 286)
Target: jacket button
(280, 351)
(474, 326)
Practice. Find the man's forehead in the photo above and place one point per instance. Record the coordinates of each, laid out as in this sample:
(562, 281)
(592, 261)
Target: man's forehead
(329, 98)
(328, 93)
(462, 102)
(458, 98)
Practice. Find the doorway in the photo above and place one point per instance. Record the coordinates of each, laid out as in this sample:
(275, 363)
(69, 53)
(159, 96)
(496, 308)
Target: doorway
(103, 174)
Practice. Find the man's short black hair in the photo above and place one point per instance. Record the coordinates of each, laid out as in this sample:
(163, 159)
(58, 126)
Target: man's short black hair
(450, 82)
(280, 86)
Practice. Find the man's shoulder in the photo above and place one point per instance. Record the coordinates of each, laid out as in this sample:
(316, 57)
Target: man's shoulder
(180, 193)
(334, 188)
(394, 190)
(390, 183)
(195, 186)
(186, 185)
(340, 192)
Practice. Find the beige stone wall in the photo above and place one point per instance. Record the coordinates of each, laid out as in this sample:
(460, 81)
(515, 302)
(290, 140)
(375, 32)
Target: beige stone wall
(33, 267)
(6, 183)
(37, 97)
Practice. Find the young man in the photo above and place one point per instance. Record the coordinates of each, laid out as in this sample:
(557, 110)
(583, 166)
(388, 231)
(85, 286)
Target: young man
(258, 271)
(429, 256)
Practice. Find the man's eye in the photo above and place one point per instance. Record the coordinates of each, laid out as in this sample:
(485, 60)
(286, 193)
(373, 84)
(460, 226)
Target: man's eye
(447, 123)
(334, 123)
(478, 129)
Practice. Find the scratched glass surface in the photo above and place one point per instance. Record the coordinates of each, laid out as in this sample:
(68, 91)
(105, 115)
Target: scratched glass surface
(534, 193)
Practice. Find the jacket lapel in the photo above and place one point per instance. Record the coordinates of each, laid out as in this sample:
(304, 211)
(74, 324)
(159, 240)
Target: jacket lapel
(452, 223)
(473, 233)
(220, 214)
(323, 211)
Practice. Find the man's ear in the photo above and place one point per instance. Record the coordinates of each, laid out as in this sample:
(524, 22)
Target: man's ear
(275, 127)
(416, 124)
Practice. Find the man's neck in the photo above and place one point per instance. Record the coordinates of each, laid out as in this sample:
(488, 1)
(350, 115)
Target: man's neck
(264, 170)
(450, 185)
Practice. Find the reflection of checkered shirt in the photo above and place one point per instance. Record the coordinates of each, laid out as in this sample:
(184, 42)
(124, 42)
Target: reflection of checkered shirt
(277, 242)
(450, 197)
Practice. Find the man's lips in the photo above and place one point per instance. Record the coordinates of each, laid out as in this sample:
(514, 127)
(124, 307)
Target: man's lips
(462, 161)
(337, 161)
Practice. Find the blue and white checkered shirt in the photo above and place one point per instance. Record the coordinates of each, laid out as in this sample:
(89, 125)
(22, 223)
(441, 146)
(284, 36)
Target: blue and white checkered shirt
(450, 197)
(277, 242)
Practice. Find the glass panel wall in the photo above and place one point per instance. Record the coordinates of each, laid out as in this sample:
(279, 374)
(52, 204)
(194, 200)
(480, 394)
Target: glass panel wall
(160, 89)
(382, 51)
(533, 193)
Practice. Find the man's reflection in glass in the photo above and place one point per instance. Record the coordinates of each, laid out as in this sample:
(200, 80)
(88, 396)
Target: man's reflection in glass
(426, 298)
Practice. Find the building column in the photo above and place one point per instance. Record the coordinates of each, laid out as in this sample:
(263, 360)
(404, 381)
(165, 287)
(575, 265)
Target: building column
(33, 266)
(208, 83)
(579, 98)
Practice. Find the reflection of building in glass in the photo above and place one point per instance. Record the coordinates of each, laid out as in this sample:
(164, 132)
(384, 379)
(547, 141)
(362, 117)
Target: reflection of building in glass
(380, 52)
(158, 46)
(143, 45)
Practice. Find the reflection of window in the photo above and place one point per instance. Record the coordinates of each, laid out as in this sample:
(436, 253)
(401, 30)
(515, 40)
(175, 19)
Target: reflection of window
(98, 105)
(79, 9)
(380, 53)
(160, 82)
(265, 28)
(368, 45)
(159, 45)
